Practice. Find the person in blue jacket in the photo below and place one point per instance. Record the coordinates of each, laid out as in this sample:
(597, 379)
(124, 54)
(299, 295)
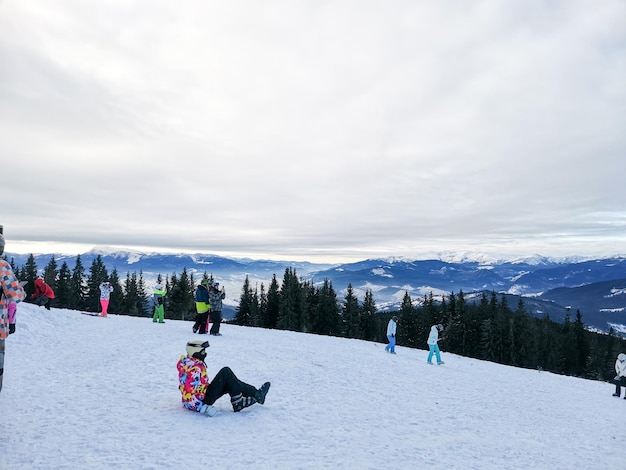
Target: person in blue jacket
(203, 307)
(391, 335)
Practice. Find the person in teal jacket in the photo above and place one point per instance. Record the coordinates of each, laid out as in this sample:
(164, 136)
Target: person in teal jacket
(159, 304)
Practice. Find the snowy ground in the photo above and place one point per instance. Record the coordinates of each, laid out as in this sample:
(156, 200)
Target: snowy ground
(83, 392)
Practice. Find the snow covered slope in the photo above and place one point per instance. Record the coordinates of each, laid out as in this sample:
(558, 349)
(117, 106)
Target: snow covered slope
(93, 393)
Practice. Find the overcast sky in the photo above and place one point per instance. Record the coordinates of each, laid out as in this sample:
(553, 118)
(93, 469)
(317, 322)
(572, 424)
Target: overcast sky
(314, 130)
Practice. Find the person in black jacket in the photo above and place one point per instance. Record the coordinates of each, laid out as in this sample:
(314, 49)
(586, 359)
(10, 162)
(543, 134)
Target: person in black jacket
(215, 299)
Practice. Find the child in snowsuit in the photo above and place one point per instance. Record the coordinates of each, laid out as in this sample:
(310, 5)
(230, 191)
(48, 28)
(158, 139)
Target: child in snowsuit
(159, 307)
(620, 378)
(43, 294)
(105, 293)
(203, 307)
(215, 299)
(433, 338)
(198, 394)
(11, 292)
(391, 335)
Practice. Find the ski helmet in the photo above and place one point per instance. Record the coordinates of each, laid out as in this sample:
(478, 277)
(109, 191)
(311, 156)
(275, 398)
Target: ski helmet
(196, 346)
(204, 282)
(622, 357)
(440, 327)
(395, 318)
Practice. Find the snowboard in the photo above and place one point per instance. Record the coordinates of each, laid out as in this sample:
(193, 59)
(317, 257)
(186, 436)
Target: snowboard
(92, 314)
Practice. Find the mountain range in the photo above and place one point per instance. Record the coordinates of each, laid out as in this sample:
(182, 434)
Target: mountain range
(548, 286)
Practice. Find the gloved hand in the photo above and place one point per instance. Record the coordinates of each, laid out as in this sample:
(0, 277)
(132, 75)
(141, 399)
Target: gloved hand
(393, 336)
(11, 328)
(617, 377)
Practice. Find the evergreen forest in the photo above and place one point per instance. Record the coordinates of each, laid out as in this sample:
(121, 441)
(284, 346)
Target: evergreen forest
(488, 330)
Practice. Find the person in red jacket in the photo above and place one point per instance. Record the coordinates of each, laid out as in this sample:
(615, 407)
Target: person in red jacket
(43, 294)
(199, 394)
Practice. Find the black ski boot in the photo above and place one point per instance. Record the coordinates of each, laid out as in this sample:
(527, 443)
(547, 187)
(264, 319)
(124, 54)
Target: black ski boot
(260, 393)
(240, 402)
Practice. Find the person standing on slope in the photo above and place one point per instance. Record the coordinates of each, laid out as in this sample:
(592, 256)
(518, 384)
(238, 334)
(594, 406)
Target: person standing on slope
(203, 307)
(11, 292)
(215, 299)
(105, 294)
(620, 378)
(198, 394)
(391, 335)
(433, 338)
(159, 304)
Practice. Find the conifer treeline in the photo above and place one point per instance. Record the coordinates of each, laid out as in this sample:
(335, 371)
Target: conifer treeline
(76, 289)
(489, 330)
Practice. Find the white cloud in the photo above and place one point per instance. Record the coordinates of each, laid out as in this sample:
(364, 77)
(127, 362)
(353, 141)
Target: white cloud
(303, 127)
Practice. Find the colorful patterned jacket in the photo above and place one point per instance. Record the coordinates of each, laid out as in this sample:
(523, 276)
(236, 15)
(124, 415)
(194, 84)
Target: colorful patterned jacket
(193, 381)
(10, 290)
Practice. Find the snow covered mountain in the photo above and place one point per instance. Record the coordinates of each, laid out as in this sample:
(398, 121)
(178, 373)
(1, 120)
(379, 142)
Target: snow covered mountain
(390, 279)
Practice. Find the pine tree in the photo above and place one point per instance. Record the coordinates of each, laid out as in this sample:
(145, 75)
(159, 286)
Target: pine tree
(50, 274)
(63, 291)
(77, 286)
(243, 314)
(116, 301)
(351, 315)
(326, 311)
(29, 274)
(97, 275)
(407, 323)
(367, 316)
(292, 308)
(272, 308)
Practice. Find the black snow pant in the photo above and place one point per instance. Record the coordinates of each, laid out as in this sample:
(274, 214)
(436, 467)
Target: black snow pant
(618, 383)
(201, 322)
(227, 382)
(216, 319)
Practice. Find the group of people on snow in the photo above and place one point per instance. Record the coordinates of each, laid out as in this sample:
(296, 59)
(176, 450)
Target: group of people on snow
(433, 340)
(198, 392)
(208, 298)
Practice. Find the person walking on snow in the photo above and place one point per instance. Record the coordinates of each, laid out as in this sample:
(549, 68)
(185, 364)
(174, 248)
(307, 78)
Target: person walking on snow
(105, 293)
(43, 294)
(203, 307)
(198, 394)
(159, 304)
(391, 335)
(215, 299)
(620, 378)
(433, 337)
(11, 292)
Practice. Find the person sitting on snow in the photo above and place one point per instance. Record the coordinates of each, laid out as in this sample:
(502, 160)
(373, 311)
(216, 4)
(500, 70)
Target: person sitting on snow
(620, 378)
(198, 394)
